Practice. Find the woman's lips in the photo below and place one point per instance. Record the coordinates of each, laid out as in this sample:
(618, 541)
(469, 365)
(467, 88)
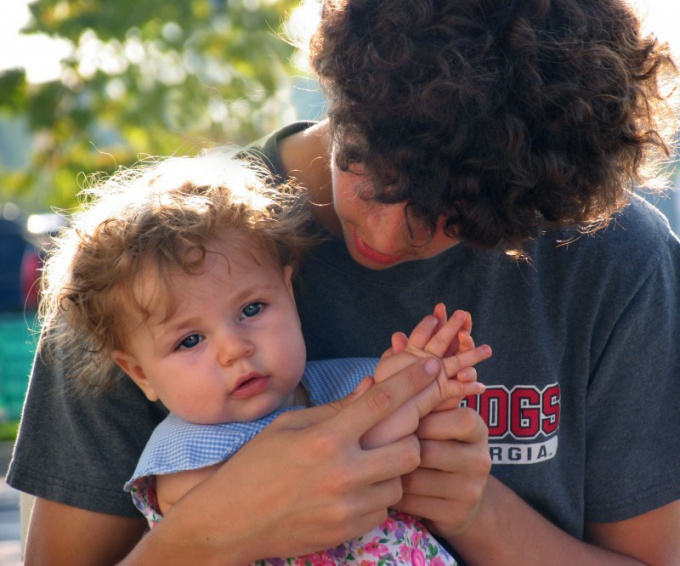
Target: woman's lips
(369, 253)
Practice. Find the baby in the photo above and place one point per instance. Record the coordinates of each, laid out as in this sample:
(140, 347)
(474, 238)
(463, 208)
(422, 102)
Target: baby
(180, 273)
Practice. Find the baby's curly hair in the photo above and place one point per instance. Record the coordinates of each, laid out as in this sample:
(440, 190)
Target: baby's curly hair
(507, 117)
(160, 214)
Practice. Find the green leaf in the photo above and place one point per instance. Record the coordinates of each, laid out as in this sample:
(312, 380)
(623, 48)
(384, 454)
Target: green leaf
(156, 77)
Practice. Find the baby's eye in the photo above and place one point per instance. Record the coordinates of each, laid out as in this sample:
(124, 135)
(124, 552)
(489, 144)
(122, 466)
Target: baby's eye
(190, 341)
(251, 310)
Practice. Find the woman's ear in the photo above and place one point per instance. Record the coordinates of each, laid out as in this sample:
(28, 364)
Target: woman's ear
(129, 365)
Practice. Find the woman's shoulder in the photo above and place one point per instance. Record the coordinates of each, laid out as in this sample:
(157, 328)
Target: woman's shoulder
(267, 149)
(641, 222)
(637, 235)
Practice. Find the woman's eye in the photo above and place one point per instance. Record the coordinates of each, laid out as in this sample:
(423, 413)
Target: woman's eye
(253, 309)
(190, 341)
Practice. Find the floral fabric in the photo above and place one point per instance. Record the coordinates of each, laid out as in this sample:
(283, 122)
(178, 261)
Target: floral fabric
(399, 540)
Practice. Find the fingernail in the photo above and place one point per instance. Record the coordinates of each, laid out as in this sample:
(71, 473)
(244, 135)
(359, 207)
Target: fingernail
(460, 315)
(431, 367)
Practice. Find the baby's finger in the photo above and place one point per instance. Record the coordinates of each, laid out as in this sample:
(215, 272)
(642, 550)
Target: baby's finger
(399, 342)
(454, 391)
(423, 332)
(465, 342)
(467, 327)
(446, 337)
(467, 374)
(364, 385)
(455, 388)
(454, 346)
(440, 314)
(454, 364)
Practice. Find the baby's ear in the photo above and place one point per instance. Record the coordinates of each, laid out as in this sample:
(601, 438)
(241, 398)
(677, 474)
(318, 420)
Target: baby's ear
(130, 366)
(288, 279)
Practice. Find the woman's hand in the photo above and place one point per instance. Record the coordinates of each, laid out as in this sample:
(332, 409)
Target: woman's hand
(303, 484)
(448, 487)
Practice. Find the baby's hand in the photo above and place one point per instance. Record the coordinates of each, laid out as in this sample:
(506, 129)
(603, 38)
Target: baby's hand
(400, 339)
(433, 337)
(449, 340)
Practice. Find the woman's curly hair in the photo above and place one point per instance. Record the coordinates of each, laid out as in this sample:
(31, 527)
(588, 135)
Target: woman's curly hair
(160, 215)
(507, 117)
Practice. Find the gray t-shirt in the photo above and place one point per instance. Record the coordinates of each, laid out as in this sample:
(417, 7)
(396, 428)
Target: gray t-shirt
(582, 388)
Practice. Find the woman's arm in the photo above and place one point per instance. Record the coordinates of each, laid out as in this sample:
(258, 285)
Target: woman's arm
(303, 483)
(61, 534)
(522, 536)
(488, 523)
(652, 538)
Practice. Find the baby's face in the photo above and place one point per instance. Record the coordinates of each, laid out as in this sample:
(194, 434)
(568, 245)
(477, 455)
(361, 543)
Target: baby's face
(233, 348)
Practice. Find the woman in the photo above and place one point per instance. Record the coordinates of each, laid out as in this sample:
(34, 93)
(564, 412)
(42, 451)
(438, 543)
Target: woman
(462, 136)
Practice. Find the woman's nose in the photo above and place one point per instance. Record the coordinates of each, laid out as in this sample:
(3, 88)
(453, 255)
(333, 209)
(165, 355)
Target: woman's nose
(390, 230)
(387, 225)
(233, 347)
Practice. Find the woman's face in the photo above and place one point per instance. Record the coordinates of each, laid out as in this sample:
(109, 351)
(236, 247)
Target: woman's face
(376, 234)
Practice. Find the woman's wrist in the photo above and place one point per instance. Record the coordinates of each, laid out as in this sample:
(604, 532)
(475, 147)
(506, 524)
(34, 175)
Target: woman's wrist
(185, 536)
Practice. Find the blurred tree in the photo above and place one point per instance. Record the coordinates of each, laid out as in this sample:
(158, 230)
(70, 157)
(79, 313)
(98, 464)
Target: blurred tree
(150, 77)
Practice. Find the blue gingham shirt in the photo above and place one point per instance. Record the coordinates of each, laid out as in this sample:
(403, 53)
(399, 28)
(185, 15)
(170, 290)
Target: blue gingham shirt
(177, 445)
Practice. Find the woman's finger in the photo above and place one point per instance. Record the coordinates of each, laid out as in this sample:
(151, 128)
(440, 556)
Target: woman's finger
(461, 424)
(359, 415)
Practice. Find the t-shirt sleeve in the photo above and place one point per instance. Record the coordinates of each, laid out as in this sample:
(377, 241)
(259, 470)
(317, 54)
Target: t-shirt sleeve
(632, 409)
(80, 449)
